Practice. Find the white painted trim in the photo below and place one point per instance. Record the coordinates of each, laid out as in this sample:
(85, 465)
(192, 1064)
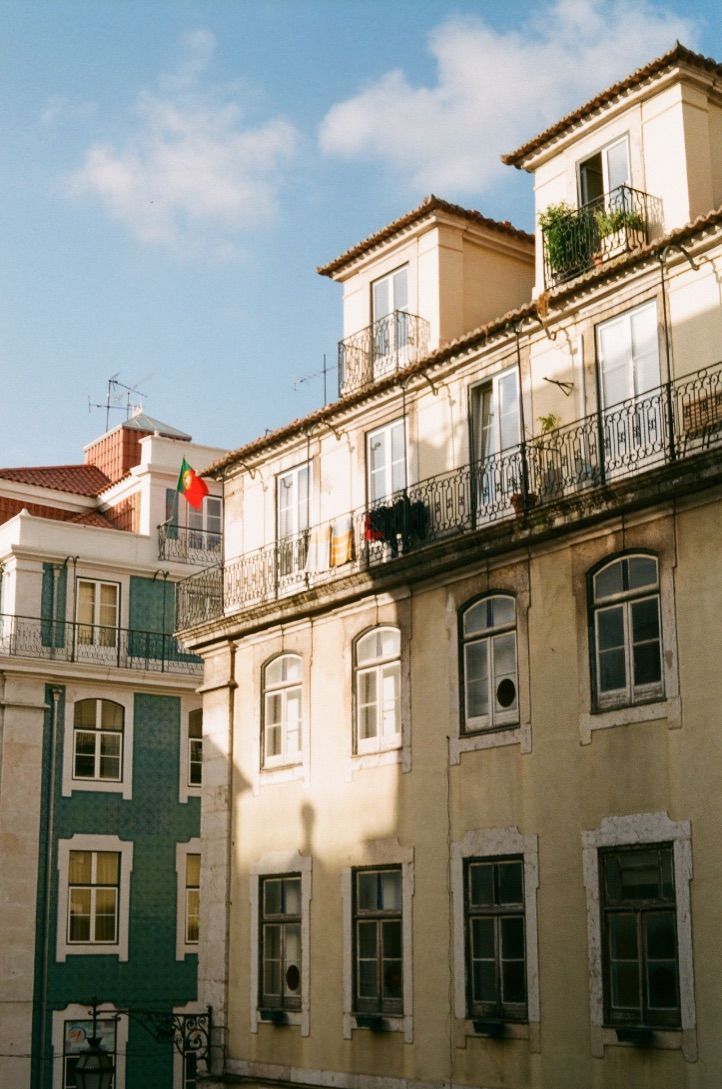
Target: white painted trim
(182, 850)
(77, 1011)
(80, 842)
(641, 829)
(185, 790)
(74, 694)
(491, 843)
(381, 853)
(281, 862)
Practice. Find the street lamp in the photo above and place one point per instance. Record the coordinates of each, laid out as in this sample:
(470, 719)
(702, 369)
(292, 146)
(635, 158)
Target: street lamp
(94, 1068)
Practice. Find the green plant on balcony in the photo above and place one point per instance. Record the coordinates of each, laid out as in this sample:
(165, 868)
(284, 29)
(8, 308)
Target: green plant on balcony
(617, 219)
(566, 238)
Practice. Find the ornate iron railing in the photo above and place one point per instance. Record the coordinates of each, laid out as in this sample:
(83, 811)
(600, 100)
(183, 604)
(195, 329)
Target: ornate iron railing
(389, 344)
(578, 238)
(675, 421)
(70, 641)
(200, 547)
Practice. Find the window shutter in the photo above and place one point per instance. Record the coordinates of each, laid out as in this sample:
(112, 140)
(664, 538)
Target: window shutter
(171, 514)
(53, 600)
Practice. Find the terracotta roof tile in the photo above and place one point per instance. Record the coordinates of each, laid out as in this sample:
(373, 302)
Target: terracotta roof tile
(428, 205)
(629, 83)
(469, 341)
(10, 507)
(78, 479)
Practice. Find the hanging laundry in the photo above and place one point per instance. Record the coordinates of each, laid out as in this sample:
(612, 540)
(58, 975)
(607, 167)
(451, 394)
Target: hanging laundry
(341, 541)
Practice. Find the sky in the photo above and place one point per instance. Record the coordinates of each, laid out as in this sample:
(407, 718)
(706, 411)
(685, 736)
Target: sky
(173, 172)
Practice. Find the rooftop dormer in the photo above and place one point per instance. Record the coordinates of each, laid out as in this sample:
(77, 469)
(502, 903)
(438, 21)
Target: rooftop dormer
(636, 161)
(427, 278)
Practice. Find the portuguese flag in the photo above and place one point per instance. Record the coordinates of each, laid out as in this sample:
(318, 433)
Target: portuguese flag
(191, 486)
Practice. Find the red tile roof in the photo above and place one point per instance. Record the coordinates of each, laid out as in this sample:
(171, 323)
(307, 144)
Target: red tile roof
(428, 205)
(10, 507)
(654, 68)
(78, 479)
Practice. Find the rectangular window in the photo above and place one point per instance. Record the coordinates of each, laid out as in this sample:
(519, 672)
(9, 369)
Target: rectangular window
(93, 887)
(195, 748)
(205, 526)
(389, 310)
(97, 614)
(386, 461)
(605, 171)
(98, 740)
(76, 1035)
(495, 938)
(378, 941)
(639, 940)
(280, 943)
(193, 896)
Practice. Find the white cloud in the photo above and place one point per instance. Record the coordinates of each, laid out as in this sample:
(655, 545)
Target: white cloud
(193, 172)
(494, 89)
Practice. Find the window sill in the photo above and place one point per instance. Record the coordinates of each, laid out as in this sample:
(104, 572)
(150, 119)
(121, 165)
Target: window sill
(490, 739)
(288, 773)
(668, 709)
(684, 1040)
(97, 786)
(361, 761)
(391, 1023)
(513, 1030)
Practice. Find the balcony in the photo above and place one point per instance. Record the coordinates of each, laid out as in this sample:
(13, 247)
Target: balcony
(577, 239)
(391, 343)
(580, 461)
(199, 547)
(68, 641)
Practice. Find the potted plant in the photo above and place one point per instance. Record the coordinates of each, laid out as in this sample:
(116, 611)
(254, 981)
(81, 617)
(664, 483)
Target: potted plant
(567, 239)
(613, 227)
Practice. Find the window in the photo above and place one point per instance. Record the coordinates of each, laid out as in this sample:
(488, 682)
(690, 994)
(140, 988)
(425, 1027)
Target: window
(97, 614)
(195, 747)
(389, 309)
(489, 681)
(192, 898)
(639, 921)
(293, 519)
(93, 883)
(626, 632)
(205, 526)
(93, 896)
(495, 938)
(604, 171)
(378, 710)
(282, 711)
(280, 943)
(496, 433)
(386, 461)
(98, 740)
(76, 1036)
(378, 943)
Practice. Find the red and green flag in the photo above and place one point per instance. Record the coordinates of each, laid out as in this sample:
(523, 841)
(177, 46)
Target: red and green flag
(191, 486)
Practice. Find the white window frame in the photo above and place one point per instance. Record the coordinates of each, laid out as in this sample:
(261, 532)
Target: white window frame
(93, 843)
(198, 522)
(383, 853)
(186, 788)
(279, 863)
(76, 1011)
(71, 785)
(95, 626)
(602, 151)
(495, 719)
(632, 695)
(640, 829)
(384, 436)
(182, 946)
(396, 332)
(283, 689)
(379, 668)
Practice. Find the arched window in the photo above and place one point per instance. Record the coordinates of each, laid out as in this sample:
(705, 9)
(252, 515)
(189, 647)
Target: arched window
(378, 709)
(626, 632)
(282, 688)
(98, 740)
(489, 682)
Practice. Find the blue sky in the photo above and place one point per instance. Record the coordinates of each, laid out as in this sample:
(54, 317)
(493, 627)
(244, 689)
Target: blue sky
(173, 172)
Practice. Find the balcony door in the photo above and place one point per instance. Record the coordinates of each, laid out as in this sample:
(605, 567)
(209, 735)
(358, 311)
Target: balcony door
(604, 172)
(389, 310)
(205, 526)
(496, 439)
(629, 380)
(292, 520)
(97, 611)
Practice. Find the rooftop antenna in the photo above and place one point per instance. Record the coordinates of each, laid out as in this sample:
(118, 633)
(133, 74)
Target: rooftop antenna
(301, 379)
(114, 399)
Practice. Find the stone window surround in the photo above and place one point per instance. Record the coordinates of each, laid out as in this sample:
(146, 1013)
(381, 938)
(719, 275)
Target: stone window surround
(641, 829)
(80, 842)
(75, 1011)
(74, 694)
(185, 789)
(182, 850)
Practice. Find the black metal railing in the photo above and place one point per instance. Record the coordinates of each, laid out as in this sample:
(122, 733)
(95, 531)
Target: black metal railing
(70, 641)
(200, 547)
(675, 421)
(575, 239)
(389, 344)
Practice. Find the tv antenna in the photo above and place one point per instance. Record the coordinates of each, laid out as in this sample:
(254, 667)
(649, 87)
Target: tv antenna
(300, 380)
(118, 393)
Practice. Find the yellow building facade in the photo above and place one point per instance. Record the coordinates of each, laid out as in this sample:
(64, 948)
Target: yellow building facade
(460, 696)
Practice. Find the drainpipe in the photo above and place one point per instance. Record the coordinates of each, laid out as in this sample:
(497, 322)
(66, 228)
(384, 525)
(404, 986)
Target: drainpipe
(47, 882)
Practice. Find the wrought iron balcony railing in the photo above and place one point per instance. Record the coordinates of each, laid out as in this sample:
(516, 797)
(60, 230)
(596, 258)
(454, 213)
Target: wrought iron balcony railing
(575, 239)
(389, 344)
(200, 547)
(70, 641)
(665, 425)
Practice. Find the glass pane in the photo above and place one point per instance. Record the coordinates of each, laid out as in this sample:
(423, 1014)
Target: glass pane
(107, 867)
(391, 937)
(507, 388)
(80, 869)
(272, 897)
(481, 883)
(389, 643)
(392, 978)
(79, 901)
(381, 299)
(623, 936)
(503, 611)
(645, 619)
(662, 985)
(367, 934)
(513, 981)
(477, 619)
(292, 889)
(483, 940)
(647, 664)
(367, 723)
(85, 713)
(391, 890)
(608, 581)
(273, 708)
(111, 715)
(477, 678)
(390, 699)
(642, 572)
(624, 977)
(512, 937)
(612, 671)
(661, 935)
(366, 648)
(617, 165)
(511, 882)
(484, 973)
(272, 940)
(85, 743)
(195, 724)
(639, 875)
(366, 891)
(400, 289)
(367, 979)
(86, 603)
(615, 351)
(610, 627)
(193, 869)
(645, 348)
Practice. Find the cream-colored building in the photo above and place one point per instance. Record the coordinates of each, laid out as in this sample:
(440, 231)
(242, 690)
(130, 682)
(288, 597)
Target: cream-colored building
(461, 685)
